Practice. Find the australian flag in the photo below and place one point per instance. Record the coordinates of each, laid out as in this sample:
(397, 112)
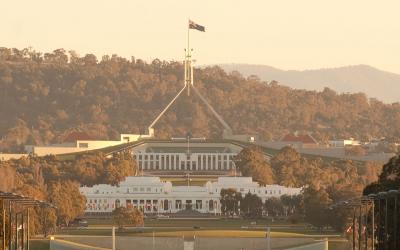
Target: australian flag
(193, 25)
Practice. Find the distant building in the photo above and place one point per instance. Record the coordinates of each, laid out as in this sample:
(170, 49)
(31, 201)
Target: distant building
(178, 156)
(340, 143)
(151, 195)
(6, 157)
(78, 142)
(297, 140)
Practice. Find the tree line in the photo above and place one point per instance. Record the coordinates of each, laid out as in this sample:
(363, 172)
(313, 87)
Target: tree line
(325, 182)
(58, 181)
(45, 96)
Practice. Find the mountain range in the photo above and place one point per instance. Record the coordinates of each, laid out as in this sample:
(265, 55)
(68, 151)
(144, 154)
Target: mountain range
(375, 83)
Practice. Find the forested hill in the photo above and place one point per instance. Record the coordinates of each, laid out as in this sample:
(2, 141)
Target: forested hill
(43, 97)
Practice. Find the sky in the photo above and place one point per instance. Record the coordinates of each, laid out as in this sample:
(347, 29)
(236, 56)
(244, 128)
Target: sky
(287, 34)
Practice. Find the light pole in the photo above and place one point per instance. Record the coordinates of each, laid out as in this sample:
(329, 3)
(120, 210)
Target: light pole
(24, 203)
(394, 194)
(372, 197)
(383, 224)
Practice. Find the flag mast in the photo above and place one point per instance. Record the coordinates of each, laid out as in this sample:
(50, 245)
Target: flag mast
(188, 63)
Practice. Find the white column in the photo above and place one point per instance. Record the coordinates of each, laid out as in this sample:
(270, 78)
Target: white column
(201, 162)
(207, 162)
(170, 161)
(165, 162)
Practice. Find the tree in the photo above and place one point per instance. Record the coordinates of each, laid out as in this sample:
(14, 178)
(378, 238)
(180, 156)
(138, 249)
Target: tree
(48, 220)
(251, 206)
(119, 167)
(355, 150)
(274, 207)
(230, 201)
(251, 162)
(316, 206)
(66, 196)
(289, 167)
(293, 204)
(127, 216)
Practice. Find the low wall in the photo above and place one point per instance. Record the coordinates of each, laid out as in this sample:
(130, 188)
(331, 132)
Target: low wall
(204, 243)
(322, 245)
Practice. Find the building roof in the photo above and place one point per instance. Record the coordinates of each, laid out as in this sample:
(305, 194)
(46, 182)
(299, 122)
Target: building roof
(305, 138)
(75, 136)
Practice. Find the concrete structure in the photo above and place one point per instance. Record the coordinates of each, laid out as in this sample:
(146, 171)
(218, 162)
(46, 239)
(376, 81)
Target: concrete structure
(151, 195)
(185, 155)
(339, 143)
(6, 157)
(80, 145)
(297, 140)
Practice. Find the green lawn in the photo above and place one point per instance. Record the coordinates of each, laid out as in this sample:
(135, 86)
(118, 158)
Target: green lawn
(203, 227)
(39, 244)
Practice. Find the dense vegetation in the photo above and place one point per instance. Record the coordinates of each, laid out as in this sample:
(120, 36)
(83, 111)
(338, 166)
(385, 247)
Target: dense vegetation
(325, 183)
(43, 97)
(58, 182)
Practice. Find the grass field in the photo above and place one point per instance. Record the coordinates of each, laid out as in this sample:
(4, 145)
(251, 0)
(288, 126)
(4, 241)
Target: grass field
(39, 244)
(203, 227)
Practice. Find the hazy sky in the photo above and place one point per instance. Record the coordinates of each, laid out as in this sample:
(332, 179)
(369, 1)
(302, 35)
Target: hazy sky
(286, 34)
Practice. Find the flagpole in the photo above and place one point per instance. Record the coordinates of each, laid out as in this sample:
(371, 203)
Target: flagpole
(187, 59)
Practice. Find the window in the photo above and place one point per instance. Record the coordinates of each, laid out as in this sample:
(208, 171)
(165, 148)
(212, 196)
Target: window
(211, 205)
(148, 189)
(128, 203)
(199, 204)
(178, 204)
(83, 145)
(165, 205)
(117, 203)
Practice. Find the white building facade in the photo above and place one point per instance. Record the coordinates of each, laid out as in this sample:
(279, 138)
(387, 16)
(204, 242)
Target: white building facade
(153, 196)
(183, 161)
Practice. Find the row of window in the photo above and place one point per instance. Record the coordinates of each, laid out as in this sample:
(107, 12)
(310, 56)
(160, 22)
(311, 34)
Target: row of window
(243, 190)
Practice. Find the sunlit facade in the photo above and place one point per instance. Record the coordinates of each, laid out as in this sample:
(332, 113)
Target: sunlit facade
(154, 196)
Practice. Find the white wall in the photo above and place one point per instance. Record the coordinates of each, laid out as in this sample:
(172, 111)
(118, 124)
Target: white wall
(6, 157)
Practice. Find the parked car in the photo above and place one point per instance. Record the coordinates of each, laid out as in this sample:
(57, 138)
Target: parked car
(78, 222)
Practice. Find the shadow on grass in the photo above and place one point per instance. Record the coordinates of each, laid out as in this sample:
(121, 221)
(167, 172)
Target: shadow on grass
(39, 244)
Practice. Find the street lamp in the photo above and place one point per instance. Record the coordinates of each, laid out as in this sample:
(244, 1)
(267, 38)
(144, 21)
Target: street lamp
(25, 203)
(373, 197)
(382, 230)
(394, 194)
